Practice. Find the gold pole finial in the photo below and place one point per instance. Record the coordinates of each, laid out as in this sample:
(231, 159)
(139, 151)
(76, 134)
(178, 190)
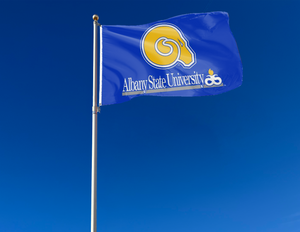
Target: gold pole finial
(95, 17)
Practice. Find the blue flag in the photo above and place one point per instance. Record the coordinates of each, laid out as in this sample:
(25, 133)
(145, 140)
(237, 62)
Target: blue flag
(187, 55)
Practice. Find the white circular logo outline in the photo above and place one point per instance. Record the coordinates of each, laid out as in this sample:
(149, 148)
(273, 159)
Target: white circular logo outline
(177, 61)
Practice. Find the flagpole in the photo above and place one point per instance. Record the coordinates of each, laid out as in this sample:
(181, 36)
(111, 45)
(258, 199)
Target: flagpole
(95, 110)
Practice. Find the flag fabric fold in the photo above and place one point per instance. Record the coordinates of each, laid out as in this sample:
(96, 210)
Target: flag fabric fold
(187, 55)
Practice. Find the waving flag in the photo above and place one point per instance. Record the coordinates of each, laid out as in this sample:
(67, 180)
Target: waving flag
(187, 55)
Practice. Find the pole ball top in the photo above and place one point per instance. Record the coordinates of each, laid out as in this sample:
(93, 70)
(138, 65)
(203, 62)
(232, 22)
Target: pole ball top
(95, 17)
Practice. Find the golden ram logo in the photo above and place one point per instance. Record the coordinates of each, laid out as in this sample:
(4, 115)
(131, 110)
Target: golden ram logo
(164, 46)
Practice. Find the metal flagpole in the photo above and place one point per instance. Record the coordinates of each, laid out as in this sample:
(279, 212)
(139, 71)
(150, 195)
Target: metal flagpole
(94, 129)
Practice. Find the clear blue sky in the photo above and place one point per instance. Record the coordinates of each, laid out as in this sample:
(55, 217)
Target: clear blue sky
(221, 163)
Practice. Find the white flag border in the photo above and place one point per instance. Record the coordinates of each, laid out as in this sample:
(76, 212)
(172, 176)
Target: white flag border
(100, 67)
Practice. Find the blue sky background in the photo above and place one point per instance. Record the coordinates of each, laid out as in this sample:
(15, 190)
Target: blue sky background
(212, 164)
